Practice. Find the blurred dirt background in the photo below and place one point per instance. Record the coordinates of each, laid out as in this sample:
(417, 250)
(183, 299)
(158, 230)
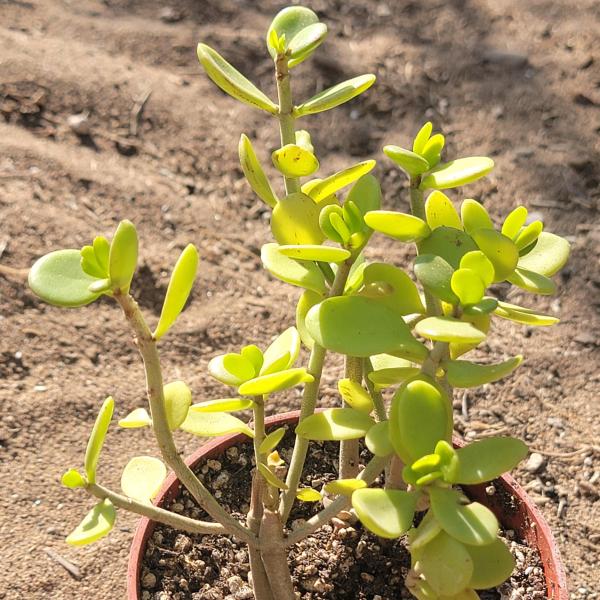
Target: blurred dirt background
(105, 114)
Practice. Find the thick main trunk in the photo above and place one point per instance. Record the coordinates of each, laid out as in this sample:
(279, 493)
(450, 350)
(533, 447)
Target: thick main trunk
(274, 556)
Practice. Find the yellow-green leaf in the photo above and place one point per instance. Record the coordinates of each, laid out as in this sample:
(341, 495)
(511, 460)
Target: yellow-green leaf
(529, 234)
(481, 264)
(526, 316)
(123, 256)
(387, 513)
(422, 137)
(275, 382)
(295, 161)
(308, 495)
(355, 395)
(315, 253)
(307, 300)
(222, 405)
(449, 329)
(548, 256)
(383, 378)
(532, 282)
(96, 441)
(231, 369)
(330, 185)
(514, 221)
(95, 525)
(178, 399)
(465, 374)
(344, 487)
(254, 172)
(271, 477)
(73, 479)
(492, 564)
(143, 477)
(295, 221)
(378, 440)
(457, 172)
(500, 250)
(468, 286)
(304, 43)
(214, 424)
(410, 162)
(271, 441)
(435, 273)
(286, 25)
(138, 417)
(448, 243)
(474, 216)
(400, 226)
(335, 424)
(440, 211)
(282, 352)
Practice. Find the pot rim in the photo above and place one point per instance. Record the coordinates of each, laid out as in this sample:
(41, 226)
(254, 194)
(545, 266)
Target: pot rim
(526, 517)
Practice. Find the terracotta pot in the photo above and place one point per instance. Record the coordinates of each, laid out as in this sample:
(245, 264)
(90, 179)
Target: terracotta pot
(510, 503)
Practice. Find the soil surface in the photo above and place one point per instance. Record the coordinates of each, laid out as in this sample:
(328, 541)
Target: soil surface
(157, 143)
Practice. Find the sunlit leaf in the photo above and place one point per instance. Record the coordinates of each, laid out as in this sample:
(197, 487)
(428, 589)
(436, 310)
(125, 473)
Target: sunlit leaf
(58, 278)
(274, 382)
(178, 399)
(385, 377)
(294, 161)
(304, 43)
(214, 424)
(222, 405)
(96, 441)
(289, 22)
(315, 252)
(308, 495)
(483, 307)
(143, 477)
(420, 416)
(433, 148)
(481, 264)
(231, 369)
(123, 256)
(231, 81)
(73, 479)
(355, 395)
(271, 441)
(400, 226)
(449, 329)
(254, 172)
(475, 216)
(335, 424)
(330, 185)
(336, 95)
(471, 524)
(514, 221)
(359, 326)
(101, 252)
(465, 374)
(253, 354)
(448, 243)
(426, 531)
(378, 440)
(446, 565)
(492, 564)
(500, 250)
(295, 220)
(526, 316)
(422, 137)
(90, 264)
(410, 162)
(271, 477)
(435, 274)
(307, 300)
(95, 525)
(441, 212)
(365, 194)
(468, 286)
(138, 417)
(529, 234)
(393, 287)
(180, 286)
(532, 282)
(487, 459)
(457, 172)
(282, 352)
(387, 513)
(302, 274)
(344, 487)
(548, 256)
(480, 322)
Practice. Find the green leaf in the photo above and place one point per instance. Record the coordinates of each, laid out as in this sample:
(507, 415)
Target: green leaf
(475, 216)
(457, 172)
(385, 377)
(180, 286)
(305, 42)
(301, 274)
(295, 220)
(433, 149)
(483, 307)
(359, 326)
(102, 252)
(514, 221)
(336, 95)
(282, 352)
(271, 477)
(289, 22)
(178, 399)
(529, 235)
(449, 329)
(335, 424)
(138, 417)
(393, 287)
(481, 264)
(400, 226)
(487, 459)
(465, 374)
(123, 256)
(355, 395)
(96, 441)
(526, 316)
(548, 256)
(435, 274)
(58, 279)
(294, 161)
(440, 211)
(214, 424)
(275, 382)
(254, 172)
(231, 81)
(315, 253)
(330, 185)
(378, 440)
(344, 487)
(271, 441)
(472, 524)
(387, 513)
(448, 243)
(95, 525)
(492, 565)
(480, 322)
(468, 286)
(500, 250)
(254, 355)
(410, 162)
(420, 416)
(426, 531)
(142, 478)
(73, 479)
(222, 405)
(422, 137)
(231, 369)
(307, 300)
(365, 194)
(532, 282)
(307, 494)
(89, 263)
(446, 565)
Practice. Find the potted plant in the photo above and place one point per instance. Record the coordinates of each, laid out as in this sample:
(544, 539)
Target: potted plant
(403, 344)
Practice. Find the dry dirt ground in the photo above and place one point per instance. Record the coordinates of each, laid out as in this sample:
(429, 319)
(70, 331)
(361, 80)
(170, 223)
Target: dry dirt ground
(516, 80)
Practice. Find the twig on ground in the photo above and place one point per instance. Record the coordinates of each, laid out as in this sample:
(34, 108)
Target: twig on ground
(72, 569)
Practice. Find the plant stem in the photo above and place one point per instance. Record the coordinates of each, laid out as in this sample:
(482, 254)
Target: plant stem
(308, 404)
(154, 383)
(349, 455)
(274, 556)
(286, 117)
(155, 513)
(375, 394)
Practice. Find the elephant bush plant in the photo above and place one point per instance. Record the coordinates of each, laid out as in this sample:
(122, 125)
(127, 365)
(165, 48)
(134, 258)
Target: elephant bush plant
(404, 343)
